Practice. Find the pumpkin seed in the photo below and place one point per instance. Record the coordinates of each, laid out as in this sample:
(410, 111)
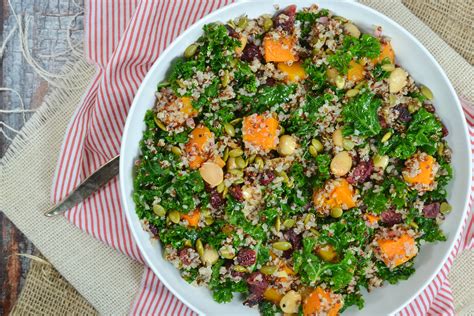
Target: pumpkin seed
(252, 158)
(336, 212)
(348, 144)
(360, 85)
(224, 193)
(225, 79)
(282, 130)
(236, 152)
(209, 220)
(174, 216)
(268, 270)
(229, 129)
(386, 137)
(281, 245)
(380, 161)
(181, 84)
(277, 224)
(317, 144)
(314, 231)
(238, 181)
(210, 256)
(227, 252)
(199, 247)
(160, 124)
(340, 82)
(388, 67)
(220, 187)
(226, 154)
(259, 162)
(241, 163)
(445, 208)
(190, 51)
(231, 164)
(313, 151)
(352, 30)
(352, 93)
(236, 121)
(413, 224)
(307, 218)
(240, 268)
(426, 92)
(267, 24)
(159, 210)
(337, 137)
(412, 108)
(327, 253)
(176, 150)
(392, 99)
(236, 172)
(288, 223)
(188, 243)
(440, 149)
(242, 23)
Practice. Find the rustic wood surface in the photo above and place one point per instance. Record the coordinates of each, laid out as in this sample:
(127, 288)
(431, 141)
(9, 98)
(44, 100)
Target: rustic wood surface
(48, 36)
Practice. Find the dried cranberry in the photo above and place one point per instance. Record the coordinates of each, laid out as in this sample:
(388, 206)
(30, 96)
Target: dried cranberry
(250, 52)
(429, 107)
(431, 210)
(403, 113)
(257, 285)
(270, 82)
(232, 33)
(361, 172)
(444, 130)
(153, 229)
(236, 193)
(185, 256)
(246, 257)
(295, 241)
(216, 199)
(285, 19)
(267, 177)
(390, 217)
(383, 122)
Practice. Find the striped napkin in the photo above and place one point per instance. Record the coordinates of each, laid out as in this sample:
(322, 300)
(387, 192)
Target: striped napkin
(124, 38)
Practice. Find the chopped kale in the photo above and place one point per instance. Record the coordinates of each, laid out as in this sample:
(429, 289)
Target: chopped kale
(360, 115)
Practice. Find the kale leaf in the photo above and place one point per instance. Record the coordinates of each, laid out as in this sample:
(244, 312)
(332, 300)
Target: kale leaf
(307, 20)
(402, 272)
(360, 115)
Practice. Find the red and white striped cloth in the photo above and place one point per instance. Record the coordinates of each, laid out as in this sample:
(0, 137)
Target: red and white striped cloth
(124, 38)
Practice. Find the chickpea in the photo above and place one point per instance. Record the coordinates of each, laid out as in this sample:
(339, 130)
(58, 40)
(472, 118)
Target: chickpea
(290, 302)
(352, 30)
(211, 173)
(341, 164)
(287, 145)
(397, 80)
(337, 138)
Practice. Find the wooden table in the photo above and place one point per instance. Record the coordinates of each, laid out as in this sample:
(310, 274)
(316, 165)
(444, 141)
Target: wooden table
(48, 36)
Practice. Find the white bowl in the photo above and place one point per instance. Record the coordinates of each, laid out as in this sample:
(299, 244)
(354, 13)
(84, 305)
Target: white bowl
(411, 55)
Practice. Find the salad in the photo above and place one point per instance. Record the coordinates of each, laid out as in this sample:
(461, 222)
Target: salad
(291, 161)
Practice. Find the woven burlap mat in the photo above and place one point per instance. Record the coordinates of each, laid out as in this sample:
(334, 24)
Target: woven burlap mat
(107, 279)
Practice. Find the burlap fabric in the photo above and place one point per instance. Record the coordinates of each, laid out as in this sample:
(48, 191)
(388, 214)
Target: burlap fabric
(109, 280)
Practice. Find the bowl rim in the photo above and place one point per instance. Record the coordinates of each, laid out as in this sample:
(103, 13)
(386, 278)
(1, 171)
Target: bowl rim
(123, 170)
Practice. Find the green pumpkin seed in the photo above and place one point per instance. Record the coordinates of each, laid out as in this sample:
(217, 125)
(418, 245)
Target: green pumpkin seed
(340, 82)
(160, 124)
(259, 162)
(277, 223)
(243, 21)
(252, 158)
(174, 216)
(348, 144)
(392, 99)
(227, 253)
(231, 164)
(229, 129)
(267, 24)
(210, 256)
(282, 130)
(317, 144)
(224, 193)
(236, 172)
(190, 51)
(314, 231)
(288, 223)
(176, 150)
(209, 220)
(239, 181)
(360, 85)
(388, 67)
(225, 79)
(313, 151)
(268, 270)
(386, 137)
(307, 218)
(181, 84)
(352, 93)
(159, 210)
(199, 247)
(445, 208)
(381, 161)
(220, 187)
(188, 243)
(241, 163)
(236, 152)
(281, 245)
(426, 92)
(440, 149)
(413, 224)
(412, 108)
(336, 212)
(240, 268)
(226, 154)
(236, 121)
